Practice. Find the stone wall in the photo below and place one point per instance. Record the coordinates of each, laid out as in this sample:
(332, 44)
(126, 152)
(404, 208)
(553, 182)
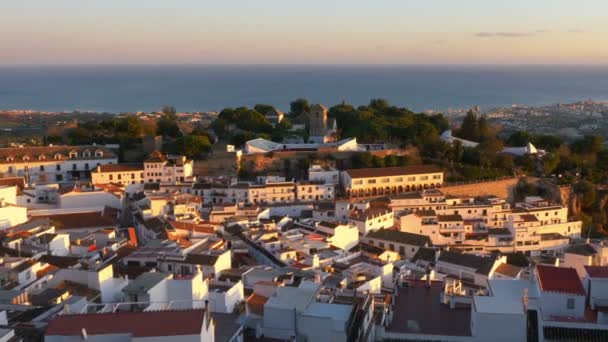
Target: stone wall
(502, 188)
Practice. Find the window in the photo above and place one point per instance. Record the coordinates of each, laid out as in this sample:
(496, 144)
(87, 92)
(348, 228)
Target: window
(10, 169)
(73, 166)
(570, 303)
(58, 167)
(86, 166)
(73, 155)
(41, 167)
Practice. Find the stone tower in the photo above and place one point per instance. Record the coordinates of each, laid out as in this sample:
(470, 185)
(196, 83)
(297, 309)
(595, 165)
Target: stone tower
(317, 120)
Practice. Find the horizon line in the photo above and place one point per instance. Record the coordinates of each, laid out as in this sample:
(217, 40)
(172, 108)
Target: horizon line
(598, 64)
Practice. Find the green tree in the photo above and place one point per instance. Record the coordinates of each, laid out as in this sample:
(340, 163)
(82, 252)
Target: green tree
(519, 138)
(378, 104)
(586, 193)
(488, 150)
(469, 129)
(263, 108)
(168, 128)
(590, 144)
(192, 146)
(169, 112)
(299, 107)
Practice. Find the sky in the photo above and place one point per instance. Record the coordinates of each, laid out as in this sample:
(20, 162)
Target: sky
(303, 32)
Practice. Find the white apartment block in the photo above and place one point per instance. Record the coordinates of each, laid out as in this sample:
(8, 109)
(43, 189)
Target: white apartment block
(160, 168)
(314, 191)
(390, 180)
(323, 174)
(118, 174)
(250, 193)
(53, 164)
(371, 218)
(532, 226)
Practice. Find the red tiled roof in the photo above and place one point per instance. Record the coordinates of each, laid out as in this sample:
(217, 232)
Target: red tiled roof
(597, 271)
(137, 324)
(119, 168)
(393, 171)
(255, 302)
(194, 227)
(49, 153)
(84, 219)
(559, 279)
(17, 181)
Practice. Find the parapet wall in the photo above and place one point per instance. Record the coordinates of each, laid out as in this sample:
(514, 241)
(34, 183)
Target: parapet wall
(502, 188)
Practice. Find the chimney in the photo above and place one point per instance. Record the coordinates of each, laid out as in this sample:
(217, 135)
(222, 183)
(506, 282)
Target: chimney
(315, 260)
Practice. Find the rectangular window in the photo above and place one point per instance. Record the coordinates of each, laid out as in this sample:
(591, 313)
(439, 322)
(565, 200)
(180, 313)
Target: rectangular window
(570, 303)
(41, 167)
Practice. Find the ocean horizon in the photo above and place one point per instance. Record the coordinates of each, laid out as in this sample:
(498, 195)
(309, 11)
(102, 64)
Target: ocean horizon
(130, 88)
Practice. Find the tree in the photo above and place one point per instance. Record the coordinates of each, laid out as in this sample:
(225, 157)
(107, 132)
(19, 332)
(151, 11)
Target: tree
(192, 146)
(483, 130)
(519, 138)
(378, 104)
(263, 108)
(168, 128)
(132, 126)
(590, 144)
(363, 160)
(169, 112)
(469, 129)
(488, 150)
(299, 107)
(549, 163)
(586, 193)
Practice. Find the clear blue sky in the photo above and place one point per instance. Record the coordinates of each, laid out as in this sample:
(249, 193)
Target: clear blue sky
(303, 31)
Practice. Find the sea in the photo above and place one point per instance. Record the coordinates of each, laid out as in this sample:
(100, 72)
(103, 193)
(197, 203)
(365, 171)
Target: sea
(131, 88)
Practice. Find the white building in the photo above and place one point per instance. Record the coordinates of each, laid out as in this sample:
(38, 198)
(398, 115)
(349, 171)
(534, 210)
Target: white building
(54, 164)
(314, 191)
(323, 174)
(160, 168)
(371, 218)
(260, 145)
(390, 180)
(118, 174)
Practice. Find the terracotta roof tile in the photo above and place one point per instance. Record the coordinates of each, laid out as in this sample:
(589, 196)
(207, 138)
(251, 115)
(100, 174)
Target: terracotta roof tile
(559, 279)
(597, 271)
(81, 220)
(48, 153)
(119, 168)
(508, 270)
(137, 324)
(256, 303)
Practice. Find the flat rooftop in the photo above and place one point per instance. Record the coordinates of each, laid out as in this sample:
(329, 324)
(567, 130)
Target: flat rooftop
(417, 310)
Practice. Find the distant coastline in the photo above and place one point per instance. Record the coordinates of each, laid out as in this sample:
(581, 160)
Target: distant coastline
(131, 88)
